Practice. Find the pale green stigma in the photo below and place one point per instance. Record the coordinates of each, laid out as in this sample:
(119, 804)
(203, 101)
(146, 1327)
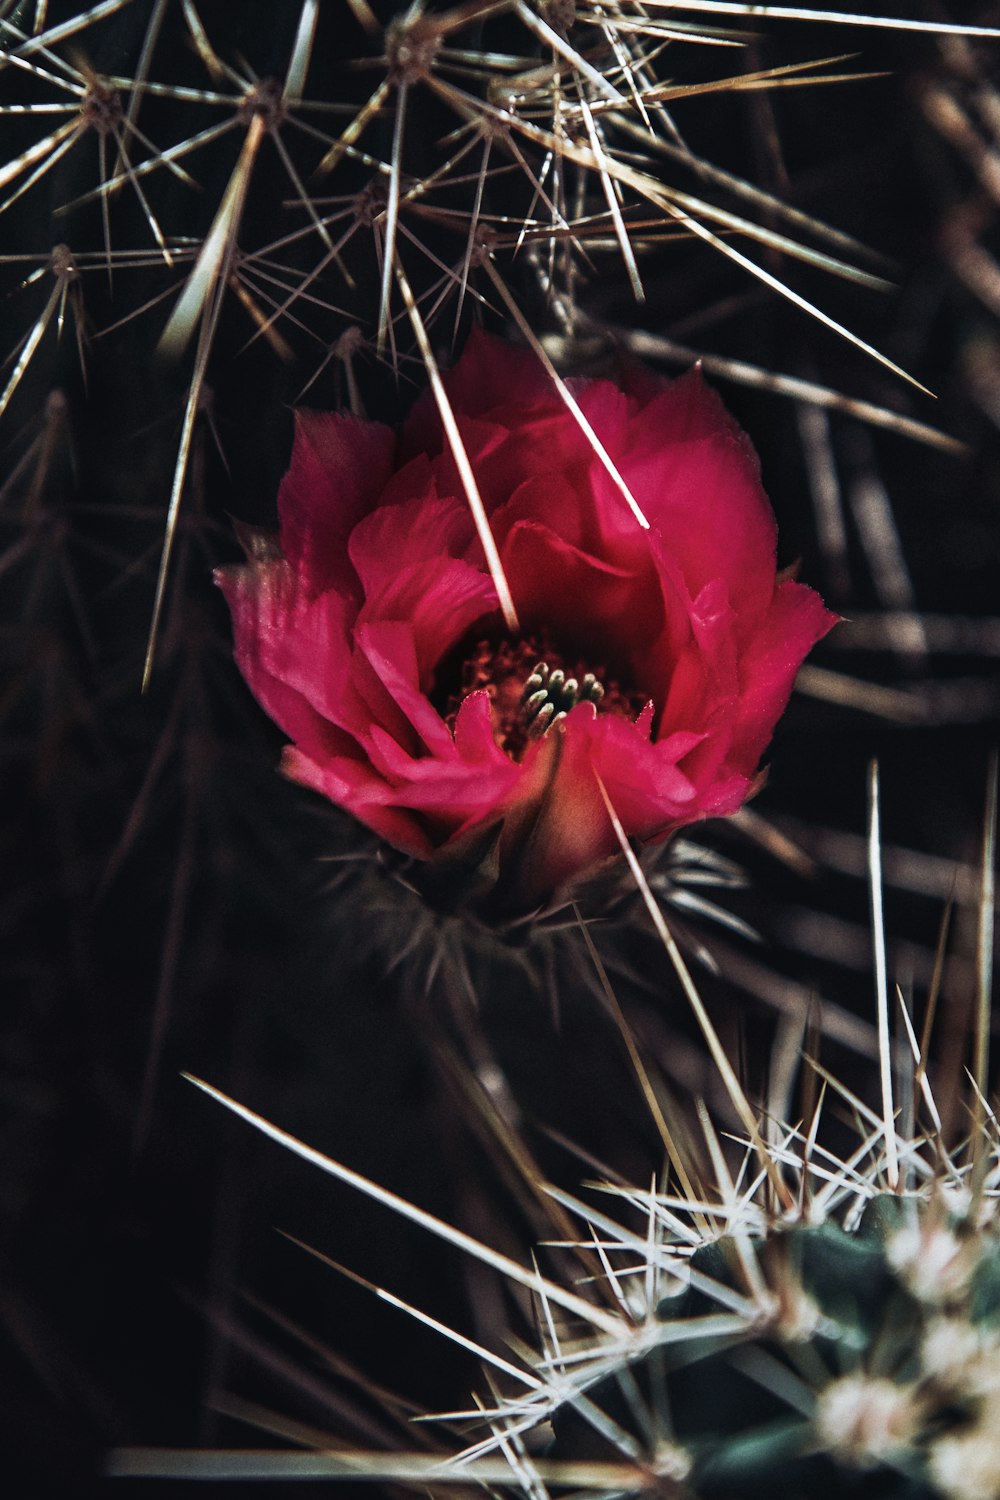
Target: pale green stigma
(549, 695)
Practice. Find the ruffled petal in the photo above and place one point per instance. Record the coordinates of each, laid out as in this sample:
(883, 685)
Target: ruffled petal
(647, 789)
(474, 739)
(427, 527)
(294, 651)
(339, 468)
(489, 376)
(604, 612)
(387, 673)
(796, 620)
(439, 600)
(696, 477)
(353, 785)
(705, 683)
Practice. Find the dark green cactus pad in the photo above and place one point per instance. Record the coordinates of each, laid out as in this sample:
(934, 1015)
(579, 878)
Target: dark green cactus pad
(845, 1384)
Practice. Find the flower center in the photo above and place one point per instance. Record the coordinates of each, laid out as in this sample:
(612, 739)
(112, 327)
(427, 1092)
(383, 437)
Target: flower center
(532, 686)
(548, 695)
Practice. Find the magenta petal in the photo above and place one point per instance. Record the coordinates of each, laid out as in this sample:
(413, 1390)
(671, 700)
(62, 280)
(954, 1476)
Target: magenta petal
(340, 465)
(647, 789)
(650, 789)
(705, 682)
(460, 789)
(644, 722)
(293, 652)
(439, 601)
(561, 499)
(796, 621)
(697, 479)
(426, 528)
(460, 796)
(391, 760)
(474, 731)
(608, 612)
(351, 784)
(389, 649)
(491, 374)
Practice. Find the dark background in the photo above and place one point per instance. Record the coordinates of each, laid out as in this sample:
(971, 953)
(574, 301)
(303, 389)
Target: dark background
(169, 902)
